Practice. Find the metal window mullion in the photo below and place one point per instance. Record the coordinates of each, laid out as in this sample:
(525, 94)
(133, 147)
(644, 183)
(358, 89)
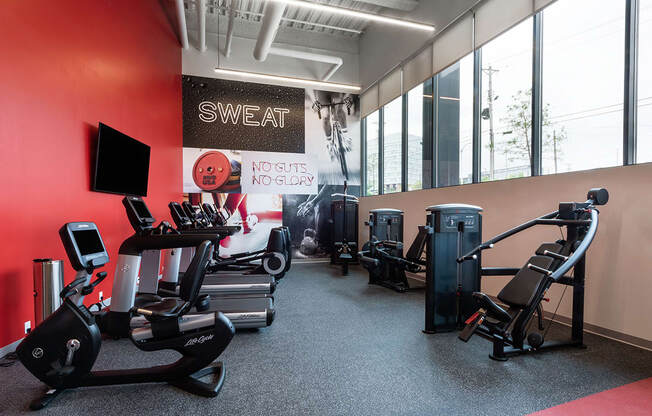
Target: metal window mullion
(630, 107)
(363, 157)
(381, 145)
(404, 146)
(477, 111)
(428, 123)
(435, 131)
(537, 105)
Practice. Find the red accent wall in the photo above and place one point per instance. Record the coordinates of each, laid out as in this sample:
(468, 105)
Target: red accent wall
(67, 65)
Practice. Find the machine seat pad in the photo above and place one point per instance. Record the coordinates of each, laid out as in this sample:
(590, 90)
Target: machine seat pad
(167, 305)
(493, 309)
(416, 249)
(553, 247)
(521, 290)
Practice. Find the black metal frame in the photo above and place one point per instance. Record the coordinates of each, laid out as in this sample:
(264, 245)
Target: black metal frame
(630, 108)
(630, 80)
(512, 334)
(381, 150)
(404, 143)
(537, 105)
(477, 111)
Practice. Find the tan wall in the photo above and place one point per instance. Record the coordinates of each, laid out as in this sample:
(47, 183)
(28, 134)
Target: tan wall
(619, 269)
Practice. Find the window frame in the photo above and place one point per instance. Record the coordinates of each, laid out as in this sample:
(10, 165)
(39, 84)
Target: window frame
(630, 109)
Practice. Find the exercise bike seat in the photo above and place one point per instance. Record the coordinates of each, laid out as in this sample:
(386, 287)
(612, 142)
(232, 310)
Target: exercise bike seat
(188, 289)
(493, 309)
(166, 306)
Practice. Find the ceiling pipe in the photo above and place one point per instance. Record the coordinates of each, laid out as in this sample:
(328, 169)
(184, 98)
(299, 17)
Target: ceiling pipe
(273, 14)
(235, 5)
(183, 30)
(336, 61)
(404, 5)
(201, 27)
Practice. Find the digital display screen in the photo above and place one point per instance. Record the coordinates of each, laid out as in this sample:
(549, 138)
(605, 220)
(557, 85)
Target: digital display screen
(179, 211)
(88, 242)
(122, 164)
(141, 208)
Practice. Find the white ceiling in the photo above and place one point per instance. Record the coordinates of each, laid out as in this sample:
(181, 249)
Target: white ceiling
(250, 12)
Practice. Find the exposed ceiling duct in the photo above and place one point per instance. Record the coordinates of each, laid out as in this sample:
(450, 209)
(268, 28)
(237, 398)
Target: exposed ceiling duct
(336, 61)
(404, 5)
(273, 13)
(181, 18)
(201, 27)
(235, 5)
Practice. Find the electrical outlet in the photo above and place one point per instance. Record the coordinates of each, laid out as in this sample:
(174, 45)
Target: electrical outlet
(28, 326)
(101, 295)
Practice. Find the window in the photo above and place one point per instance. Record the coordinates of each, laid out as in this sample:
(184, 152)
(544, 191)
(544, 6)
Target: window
(506, 104)
(392, 146)
(419, 163)
(371, 165)
(582, 97)
(644, 129)
(454, 87)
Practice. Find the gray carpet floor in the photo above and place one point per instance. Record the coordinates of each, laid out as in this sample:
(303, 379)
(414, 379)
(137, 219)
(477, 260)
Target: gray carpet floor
(342, 347)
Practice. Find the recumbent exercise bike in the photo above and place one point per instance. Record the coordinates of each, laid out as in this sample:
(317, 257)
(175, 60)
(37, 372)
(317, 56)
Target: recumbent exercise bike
(62, 350)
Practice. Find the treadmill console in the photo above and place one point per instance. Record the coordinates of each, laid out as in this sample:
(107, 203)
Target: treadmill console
(84, 245)
(139, 215)
(179, 216)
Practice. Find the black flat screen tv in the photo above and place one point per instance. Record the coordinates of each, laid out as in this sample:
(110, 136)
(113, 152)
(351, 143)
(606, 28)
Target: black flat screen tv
(122, 163)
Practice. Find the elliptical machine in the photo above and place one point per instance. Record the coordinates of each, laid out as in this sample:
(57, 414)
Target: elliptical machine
(62, 350)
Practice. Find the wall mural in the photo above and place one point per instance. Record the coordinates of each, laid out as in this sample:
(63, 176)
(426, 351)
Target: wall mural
(269, 155)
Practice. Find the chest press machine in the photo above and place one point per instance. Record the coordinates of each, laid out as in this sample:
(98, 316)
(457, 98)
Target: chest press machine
(507, 328)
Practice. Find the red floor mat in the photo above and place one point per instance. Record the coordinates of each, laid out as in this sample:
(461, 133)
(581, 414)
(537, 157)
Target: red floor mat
(631, 399)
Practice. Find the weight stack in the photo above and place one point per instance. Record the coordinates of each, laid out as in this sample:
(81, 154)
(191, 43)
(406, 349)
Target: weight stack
(337, 218)
(442, 251)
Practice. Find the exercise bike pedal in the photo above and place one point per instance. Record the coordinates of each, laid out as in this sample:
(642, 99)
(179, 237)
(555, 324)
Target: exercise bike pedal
(193, 384)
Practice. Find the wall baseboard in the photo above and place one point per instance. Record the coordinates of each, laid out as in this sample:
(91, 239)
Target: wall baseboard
(597, 330)
(588, 328)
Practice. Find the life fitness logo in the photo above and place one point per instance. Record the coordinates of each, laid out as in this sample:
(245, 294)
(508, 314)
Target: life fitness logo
(198, 340)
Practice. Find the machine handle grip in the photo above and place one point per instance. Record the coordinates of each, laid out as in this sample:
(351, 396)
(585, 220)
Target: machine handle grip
(88, 289)
(472, 255)
(465, 258)
(367, 260)
(539, 269)
(70, 288)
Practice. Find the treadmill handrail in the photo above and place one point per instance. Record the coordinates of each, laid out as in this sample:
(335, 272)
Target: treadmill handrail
(136, 244)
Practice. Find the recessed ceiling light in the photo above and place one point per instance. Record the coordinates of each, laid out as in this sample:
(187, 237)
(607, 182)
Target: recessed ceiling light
(296, 81)
(357, 14)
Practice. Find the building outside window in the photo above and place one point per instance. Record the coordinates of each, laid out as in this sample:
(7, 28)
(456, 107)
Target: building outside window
(582, 97)
(506, 125)
(392, 146)
(644, 128)
(418, 166)
(454, 123)
(371, 163)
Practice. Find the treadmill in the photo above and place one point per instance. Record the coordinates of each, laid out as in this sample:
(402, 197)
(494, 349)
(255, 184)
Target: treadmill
(245, 301)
